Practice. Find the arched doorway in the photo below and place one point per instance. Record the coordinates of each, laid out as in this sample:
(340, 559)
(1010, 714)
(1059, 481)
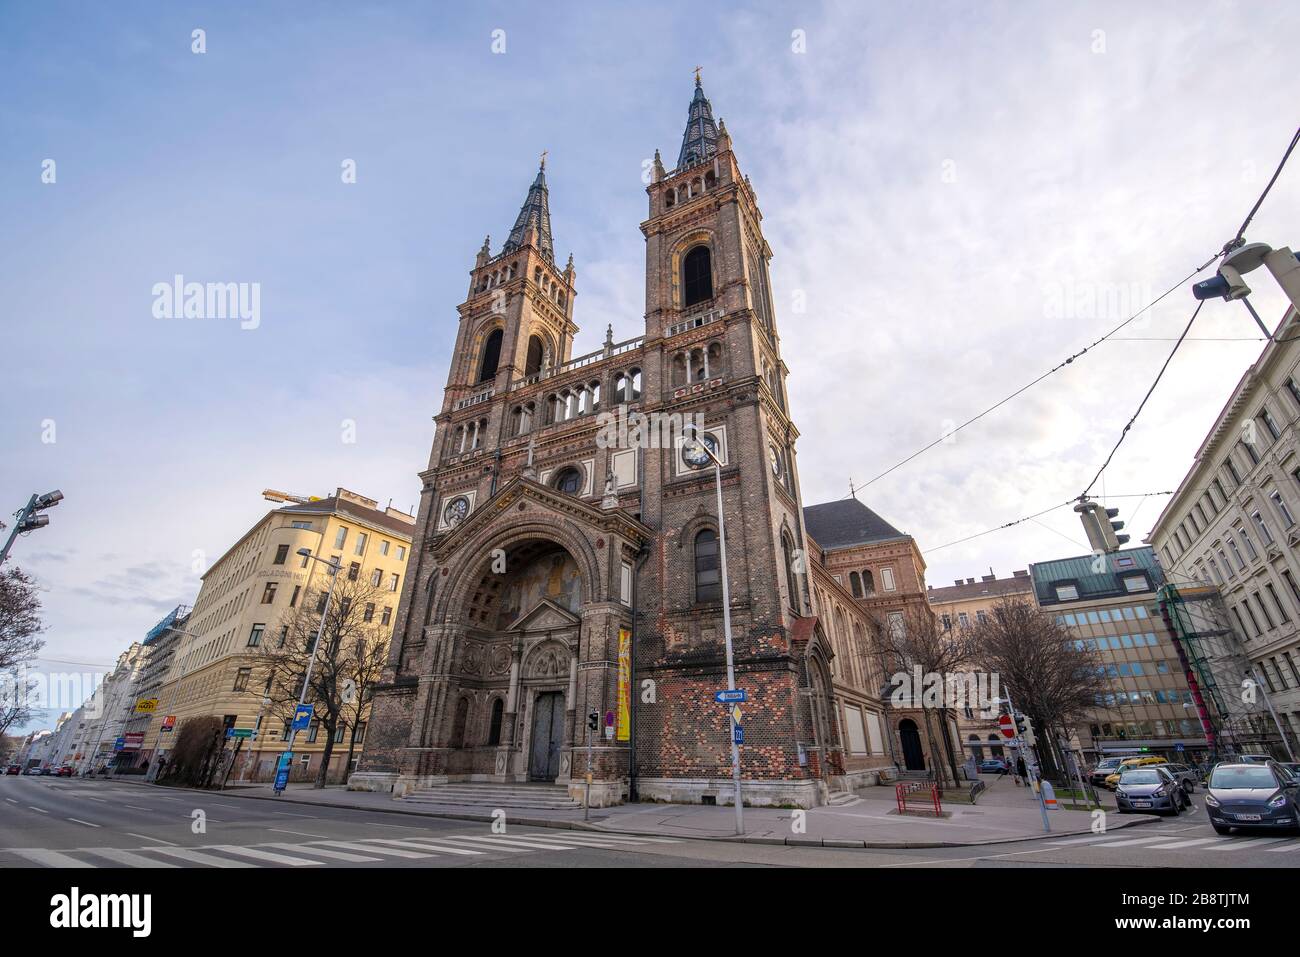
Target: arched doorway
(910, 737)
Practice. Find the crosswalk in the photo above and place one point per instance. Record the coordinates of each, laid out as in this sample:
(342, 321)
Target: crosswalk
(1182, 841)
(462, 847)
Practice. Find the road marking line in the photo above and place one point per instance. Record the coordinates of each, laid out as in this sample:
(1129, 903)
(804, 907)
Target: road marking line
(496, 844)
(299, 833)
(136, 807)
(323, 852)
(580, 842)
(263, 855)
(638, 839)
(49, 858)
(146, 837)
(126, 857)
(80, 821)
(449, 850)
(390, 851)
(188, 854)
(528, 842)
(11, 800)
(1177, 844)
(1236, 844)
(1131, 842)
(1293, 846)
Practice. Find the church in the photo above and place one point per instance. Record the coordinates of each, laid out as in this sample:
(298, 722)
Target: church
(562, 611)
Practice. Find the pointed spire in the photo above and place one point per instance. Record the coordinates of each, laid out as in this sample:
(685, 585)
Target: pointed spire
(700, 141)
(534, 215)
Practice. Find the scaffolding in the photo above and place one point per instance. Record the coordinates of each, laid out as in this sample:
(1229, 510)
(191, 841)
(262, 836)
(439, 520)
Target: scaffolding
(1233, 714)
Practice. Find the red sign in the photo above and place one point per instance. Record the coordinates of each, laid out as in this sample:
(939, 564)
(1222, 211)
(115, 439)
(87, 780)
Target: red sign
(1008, 726)
(169, 722)
(134, 741)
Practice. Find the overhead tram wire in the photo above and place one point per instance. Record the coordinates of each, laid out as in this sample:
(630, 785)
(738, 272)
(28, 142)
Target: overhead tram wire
(1057, 368)
(1128, 425)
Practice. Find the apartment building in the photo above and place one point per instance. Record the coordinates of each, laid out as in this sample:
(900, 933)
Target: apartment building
(964, 604)
(1110, 604)
(247, 598)
(1232, 522)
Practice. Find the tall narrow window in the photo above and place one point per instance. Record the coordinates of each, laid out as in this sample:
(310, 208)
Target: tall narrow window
(855, 584)
(491, 357)
(697, 276)
(534, 362)
(791, 579)
(708, 578)
(494, 727)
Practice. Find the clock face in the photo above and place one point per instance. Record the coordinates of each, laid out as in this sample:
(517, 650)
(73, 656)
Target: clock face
(456, 510)
(775, 458)
(693, 453)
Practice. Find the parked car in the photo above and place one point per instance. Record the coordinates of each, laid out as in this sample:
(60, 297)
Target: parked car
(993, 766)
(36, 771)
(1150, 788)
(1250, 795)
(1112, 781)
(1290, 768)
(1186, 776)
(64, 772)
(13, 769)
(1254, 758)
(1104, 769)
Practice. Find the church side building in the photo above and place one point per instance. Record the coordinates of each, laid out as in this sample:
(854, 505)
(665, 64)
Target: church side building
(563, 567)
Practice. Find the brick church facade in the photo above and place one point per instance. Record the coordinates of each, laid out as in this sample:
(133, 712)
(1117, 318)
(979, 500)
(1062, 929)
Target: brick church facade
(557, 572)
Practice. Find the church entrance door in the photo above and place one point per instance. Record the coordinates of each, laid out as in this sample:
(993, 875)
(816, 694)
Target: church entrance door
(547, 738)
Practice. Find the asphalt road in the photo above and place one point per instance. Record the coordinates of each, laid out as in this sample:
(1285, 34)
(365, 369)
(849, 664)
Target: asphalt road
(62, 822)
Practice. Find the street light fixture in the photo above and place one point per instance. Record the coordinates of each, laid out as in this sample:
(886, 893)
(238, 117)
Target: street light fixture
(698, 452)
(333, 565)
(1229, 282)
(28, 521)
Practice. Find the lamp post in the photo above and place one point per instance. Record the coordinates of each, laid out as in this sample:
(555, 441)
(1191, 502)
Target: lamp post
(28, 521)
(333, 565)
(697, 453)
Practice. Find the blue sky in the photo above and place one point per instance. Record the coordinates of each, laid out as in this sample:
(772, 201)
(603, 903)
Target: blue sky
(946, 187)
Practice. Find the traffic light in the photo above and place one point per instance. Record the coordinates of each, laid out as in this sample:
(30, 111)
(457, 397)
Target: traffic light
(1100, 525)
(1025, 729)
(593, 720)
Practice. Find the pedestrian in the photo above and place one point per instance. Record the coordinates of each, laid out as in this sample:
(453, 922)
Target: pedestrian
(1020, 769)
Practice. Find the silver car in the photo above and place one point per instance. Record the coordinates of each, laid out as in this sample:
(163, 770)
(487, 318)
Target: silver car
(1187, 777)
(1152, 789)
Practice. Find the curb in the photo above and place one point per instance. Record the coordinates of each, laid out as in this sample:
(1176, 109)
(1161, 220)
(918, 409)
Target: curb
(730, 838)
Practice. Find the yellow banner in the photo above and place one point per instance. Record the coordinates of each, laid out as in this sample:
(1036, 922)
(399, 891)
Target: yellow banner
(146, 705)
(624, 712)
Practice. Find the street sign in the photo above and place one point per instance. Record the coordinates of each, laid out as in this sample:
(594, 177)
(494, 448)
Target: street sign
(728, 697)
(133, 741)
(1007, 724)
(239, 733)
(609, 719)
(739, 735)
(302, 717)
(282, 770)
(119, 744)
(609, 732)
(736, 714)
(1179, 747)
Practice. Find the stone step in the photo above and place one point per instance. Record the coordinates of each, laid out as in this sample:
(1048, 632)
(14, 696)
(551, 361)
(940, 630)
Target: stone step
(841, 798)
(486, 794)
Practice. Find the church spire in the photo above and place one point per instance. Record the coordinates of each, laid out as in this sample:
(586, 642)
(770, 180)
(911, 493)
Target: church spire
(700, 141)
(534, 215)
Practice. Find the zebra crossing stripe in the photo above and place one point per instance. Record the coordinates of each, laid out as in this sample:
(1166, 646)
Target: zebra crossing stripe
(505, 843)
(40, 855)
(1291, 846)
(585, 841)
(372, 849)
(323, 852)
(1238, 844)
(637, 839)
(197, 857)
(423, 847)
(1192, 843)
(257, 855)
(1131, 842)
(126, 858)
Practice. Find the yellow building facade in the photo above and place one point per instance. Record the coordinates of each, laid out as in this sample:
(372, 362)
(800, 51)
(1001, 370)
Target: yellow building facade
(248, 594)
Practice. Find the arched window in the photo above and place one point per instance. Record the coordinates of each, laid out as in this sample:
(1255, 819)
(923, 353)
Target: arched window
(791, 579)
(670, 198)
(494, 727)
(855, 583)
(487, 369)
(678, 377)
(533, 364)
(697, 276)
(569, 481)
(708, 577)
(429, 591)
(634, 384)
(868, 582)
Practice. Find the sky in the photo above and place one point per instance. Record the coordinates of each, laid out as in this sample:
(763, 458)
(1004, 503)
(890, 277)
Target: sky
(957, 197)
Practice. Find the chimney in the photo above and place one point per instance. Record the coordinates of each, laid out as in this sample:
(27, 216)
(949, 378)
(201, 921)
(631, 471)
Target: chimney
(957, 582)
(1020, 573)
(970, 581)
(988, 578)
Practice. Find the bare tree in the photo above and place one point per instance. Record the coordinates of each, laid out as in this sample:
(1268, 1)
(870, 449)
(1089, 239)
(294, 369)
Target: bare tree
(1048, 673)
(913, 643)
(17, 692)
(343, 673)
(20, 619)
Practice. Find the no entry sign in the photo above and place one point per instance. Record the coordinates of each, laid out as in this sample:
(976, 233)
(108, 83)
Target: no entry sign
(1008, 726)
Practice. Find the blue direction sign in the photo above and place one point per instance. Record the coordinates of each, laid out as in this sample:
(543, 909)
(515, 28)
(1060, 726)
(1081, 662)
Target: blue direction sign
(1178, 747)
(739, 734)
(302, 717)
(119, 744)
(727, 697)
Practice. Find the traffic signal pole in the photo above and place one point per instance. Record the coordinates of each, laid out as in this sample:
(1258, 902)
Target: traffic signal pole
(1030, 766)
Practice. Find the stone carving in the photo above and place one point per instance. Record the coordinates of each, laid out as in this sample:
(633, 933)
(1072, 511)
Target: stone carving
(548, 662)
(499, 660)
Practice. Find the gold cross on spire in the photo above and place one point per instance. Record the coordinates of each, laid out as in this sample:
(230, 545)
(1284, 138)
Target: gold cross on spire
(544, 152)
(697, 74)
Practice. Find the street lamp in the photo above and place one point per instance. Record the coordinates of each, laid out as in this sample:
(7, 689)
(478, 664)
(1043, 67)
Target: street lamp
(28, 520)
(333, 565)
(1229, 282)
(697, 453)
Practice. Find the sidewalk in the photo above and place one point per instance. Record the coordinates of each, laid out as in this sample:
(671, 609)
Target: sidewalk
(1004, 814)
